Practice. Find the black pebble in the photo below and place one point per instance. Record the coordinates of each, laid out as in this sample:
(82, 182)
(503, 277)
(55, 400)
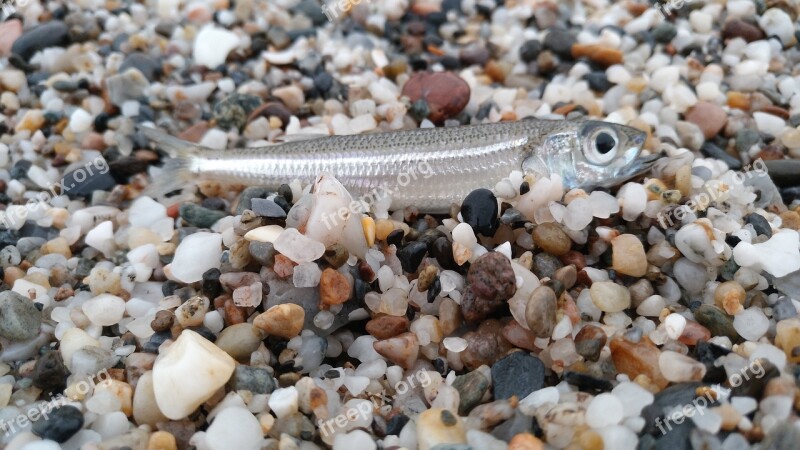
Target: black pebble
(560, 41)
(598, 81)
(396, 424)
(212, 288)
(395, 238)
(479, 210)
(759, 224)
(434, 290)
(50, 373)
(530, 50)
(60, 424)
(411, 256)
(517, 374)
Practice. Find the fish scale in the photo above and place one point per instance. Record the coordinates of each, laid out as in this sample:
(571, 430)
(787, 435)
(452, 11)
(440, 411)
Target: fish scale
(426, 168)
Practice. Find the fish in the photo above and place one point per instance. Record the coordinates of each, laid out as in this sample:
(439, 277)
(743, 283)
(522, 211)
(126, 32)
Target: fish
(429, 169)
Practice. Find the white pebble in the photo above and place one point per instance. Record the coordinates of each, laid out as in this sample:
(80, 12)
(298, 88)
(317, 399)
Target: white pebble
(604, 411)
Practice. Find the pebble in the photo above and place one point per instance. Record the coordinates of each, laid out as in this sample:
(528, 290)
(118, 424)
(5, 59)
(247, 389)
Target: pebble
(257, 380)
(334, 287)
(518, 374)
(385, 327)
(637, 359)
(402, 349)
(471, 388)
(60, 424)
(234, 427)
(730, 296)
(551, 239)
(212, 45)
(490, 282)
(411, 256)
(540, 312)
(104, 310)
(209, 366)
(604, 411)
(196, 254)
(680, 368)
(628, 256)
(710, 117)
(589, 342)
(285, 320)
(297, 247)
(445, 93)
(54, 33)
(479, 210)
(20, 320)
(437, 426)
(609, 296)
(717, 322)
(751, 323)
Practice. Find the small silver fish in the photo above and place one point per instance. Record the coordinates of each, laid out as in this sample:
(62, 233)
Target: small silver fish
(426, 168)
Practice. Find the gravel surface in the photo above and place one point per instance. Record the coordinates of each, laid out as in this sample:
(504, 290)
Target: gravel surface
(659, 314)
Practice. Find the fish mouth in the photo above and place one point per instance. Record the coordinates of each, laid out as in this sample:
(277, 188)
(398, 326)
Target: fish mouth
(643, 163)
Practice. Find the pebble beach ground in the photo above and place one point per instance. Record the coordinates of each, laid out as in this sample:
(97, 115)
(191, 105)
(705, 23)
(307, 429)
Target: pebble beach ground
(659, 314)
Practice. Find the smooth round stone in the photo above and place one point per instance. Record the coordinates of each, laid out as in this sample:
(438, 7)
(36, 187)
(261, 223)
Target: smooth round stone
(691, 276)
(609, 296)
(196, 254)
(751, 323)
(604, 410)
(551, 238)
(730, 296)
(540, 312)
(674, 324)
(240, 340)
(479, 209)
(60, 424)
(212, 45)
(190, 357)
(284, 402)
(73, 340)
(19, 318)
(589, 342)
(104, 310)
(628, 256)
(145, 407)
(633, 397)
(234, 427)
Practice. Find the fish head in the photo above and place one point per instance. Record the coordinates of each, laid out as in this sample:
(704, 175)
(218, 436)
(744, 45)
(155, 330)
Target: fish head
(607, 153)
(589, 153)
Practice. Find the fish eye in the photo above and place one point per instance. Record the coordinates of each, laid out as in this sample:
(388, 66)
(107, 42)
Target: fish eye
(602, 146)
(604, 143)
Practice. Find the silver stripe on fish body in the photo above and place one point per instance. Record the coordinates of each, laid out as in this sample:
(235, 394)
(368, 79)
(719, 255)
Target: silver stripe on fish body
(426, 168)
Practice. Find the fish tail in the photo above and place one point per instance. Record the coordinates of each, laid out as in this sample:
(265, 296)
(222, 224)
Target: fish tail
(176, 173)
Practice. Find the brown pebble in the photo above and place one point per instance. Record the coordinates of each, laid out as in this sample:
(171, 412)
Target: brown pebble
(285, 320)
(637, 359)
(738, 100)
(551, 238)
(334, 287)
(426, 277)
(525, 441)
(163, 321)
(233, 314)
(385, 327)
(445, 93)
(791, 219)
(709, 117)
(401, 350)
(694, 332)
(739, 28)
(490, 282)
(449, 316)
(540, 312)
(589, 342)
(518, 336)
(575, 258)
(605, 56)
